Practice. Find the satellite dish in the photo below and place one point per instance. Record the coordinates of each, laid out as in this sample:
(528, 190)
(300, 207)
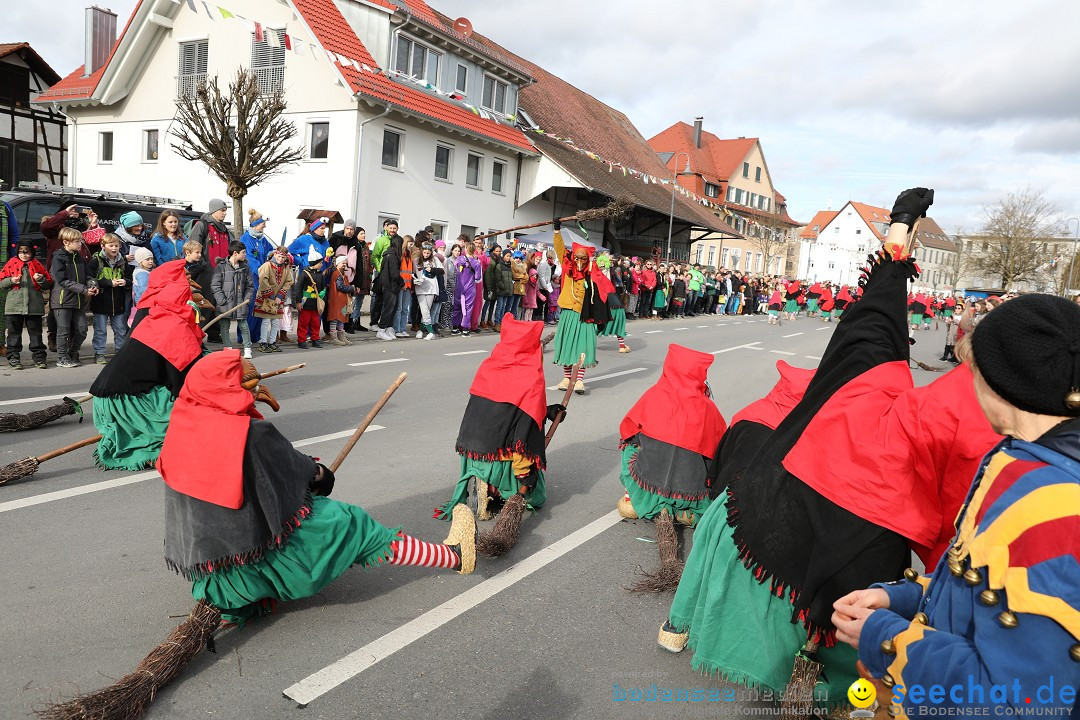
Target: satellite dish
(463, 26)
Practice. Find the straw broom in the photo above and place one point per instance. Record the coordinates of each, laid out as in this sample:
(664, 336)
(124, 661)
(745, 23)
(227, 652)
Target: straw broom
(671, 567)
(16, 422)
(29, 465)
(129, 697)
(508, 524)
(612, 211)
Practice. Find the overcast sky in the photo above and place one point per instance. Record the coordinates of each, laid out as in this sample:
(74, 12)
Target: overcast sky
(851, 99)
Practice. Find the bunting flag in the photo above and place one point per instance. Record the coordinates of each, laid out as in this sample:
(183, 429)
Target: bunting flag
(273, 39)
(225, 14)
(288, 42)
(258, 32)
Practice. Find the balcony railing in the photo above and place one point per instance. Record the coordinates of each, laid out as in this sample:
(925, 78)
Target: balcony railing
(270, 79)
(187, 84)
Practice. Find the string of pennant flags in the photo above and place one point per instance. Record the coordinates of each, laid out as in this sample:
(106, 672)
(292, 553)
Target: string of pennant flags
(300, 46)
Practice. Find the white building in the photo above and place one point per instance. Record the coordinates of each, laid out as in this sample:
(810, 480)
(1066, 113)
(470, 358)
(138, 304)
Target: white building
(429, 146)
(838, 253)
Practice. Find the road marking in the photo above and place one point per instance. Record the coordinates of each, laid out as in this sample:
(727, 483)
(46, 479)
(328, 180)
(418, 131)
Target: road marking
(323, 681)
(139, 477)
(781, 352)
(824, 328)
(650, 332)
(812, 357)
(702, 326)
(747, 346)
(609, 375)
(41, 398)
(793, 335)
(685, 328)
(467, 352)
(379, 362)
(754, 347)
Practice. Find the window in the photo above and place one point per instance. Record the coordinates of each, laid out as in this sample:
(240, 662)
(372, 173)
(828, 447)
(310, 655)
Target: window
(417, 60)
(858, 231)
(712, 190)
(494, 95)
(150, 145)
(469, 230)
(105, 145)
(768, 204)
(473, 170)
(832, 264)
(697, 253)
(712, 254)
(746, 169)
(723, 257)
(730, 194)
(498, 172)
(836, 229)
(757, 174)
(318, 140)
(739, 196)
(444, 156)
(752, 201)
(438, 230)
(391, 148)
(461, 84)
(191, 67)
(759, 259)
(14, 86)
(268, 60)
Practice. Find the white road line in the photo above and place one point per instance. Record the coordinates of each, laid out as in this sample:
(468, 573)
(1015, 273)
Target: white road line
(139, 477)
(793, 335)
(467, 352)
(379, 362)
(323, 681)
(754, 347)
(685, 328)
(702, 326)
(42, 398)
(747, 346)
(812, 357)
(589, 378)
(781, 352)
(650, 332)
(824, 328)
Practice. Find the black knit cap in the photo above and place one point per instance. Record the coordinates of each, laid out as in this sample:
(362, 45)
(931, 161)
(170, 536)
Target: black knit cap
(1028, 350)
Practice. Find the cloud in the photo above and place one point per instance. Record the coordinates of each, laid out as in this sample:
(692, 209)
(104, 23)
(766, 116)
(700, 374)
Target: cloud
(1057, 138)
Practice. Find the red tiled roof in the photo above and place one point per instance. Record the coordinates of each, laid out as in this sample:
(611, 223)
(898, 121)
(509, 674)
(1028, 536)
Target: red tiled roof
(820, 220)
(872, 214)
(716, 159)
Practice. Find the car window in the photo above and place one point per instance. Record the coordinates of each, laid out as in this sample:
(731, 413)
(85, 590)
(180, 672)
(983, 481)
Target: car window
(36, 211)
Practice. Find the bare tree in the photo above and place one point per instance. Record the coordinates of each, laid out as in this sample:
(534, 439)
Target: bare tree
(1015, 233)
(241, 135)
(771, 238)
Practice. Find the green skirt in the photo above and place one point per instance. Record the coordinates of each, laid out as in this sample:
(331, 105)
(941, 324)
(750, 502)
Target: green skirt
(946, 314)
(740, 630)
(617, 325)
(791, 306)
(328, 542)
(497, 473)
(573, 337)
(916, 318)
(132, 429)
(812, 305)
(660, 300)
(648, 504)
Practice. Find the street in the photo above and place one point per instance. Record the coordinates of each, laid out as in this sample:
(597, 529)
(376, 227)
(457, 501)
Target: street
(547, 631)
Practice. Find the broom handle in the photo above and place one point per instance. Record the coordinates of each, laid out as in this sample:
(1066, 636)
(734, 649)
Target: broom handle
(224, 315)
(566, 400)
(524, 227)
(282, 371)
(367, 421)
(84, 398)
(69, 448)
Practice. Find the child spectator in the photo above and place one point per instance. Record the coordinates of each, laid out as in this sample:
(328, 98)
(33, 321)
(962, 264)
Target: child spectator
(528, 301)
(427, 269)
(340, 295)
(144, 263)
(520, 272)
(110, 306)
(678, 294)
(201, 276)
(309, 296)
(275, 281)
(71, 292)
(26, 281)
(231, 286)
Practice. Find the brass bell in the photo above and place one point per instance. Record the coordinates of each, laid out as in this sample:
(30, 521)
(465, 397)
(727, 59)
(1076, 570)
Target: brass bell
(887, 680)
(1072, 400)
(1074, 652)
(911, 575)
(888, 647)
(920, 619)
(955, 568)
(1008, 619)
(988, 597)
(972, 577)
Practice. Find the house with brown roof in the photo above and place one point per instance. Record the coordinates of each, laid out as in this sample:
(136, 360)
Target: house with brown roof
(398, 115)
(733, 177)
(32, 137)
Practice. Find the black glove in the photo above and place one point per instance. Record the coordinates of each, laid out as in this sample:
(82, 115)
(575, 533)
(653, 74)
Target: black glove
(554, 410)
(323, 484)
(912, 204)
(557, 225)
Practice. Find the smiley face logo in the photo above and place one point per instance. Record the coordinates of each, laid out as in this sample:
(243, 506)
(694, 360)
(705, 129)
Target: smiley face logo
(862, 693)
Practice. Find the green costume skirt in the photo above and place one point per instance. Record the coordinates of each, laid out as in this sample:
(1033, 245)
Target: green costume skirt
(648, 504)
(916, 318)
(791, 306)
(328, 542)
(617, 324)
(573, 337)
(812, 305)
(660, 300)
(499, 474)
(740, 630)
(946, 314)
(826, 314)
(132, 429)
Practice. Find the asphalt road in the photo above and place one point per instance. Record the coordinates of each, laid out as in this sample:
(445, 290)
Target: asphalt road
(544, 632)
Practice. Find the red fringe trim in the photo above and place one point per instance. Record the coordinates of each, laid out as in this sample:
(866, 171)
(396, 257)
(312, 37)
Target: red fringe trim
(203, 569)
(503, 454)
(644, 485)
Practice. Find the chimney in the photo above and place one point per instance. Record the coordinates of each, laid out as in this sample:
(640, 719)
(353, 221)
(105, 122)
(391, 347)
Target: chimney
(697, 131)
(100, 36)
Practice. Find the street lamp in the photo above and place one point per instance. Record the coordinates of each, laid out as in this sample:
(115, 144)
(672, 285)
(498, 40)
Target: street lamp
(1072, 261)
(674, 182)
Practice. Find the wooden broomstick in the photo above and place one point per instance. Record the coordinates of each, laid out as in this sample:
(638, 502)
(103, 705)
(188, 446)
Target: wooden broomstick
(14, 422)
(612, 211)
(224, 315)
(508, 524)
(130, 696)
(28, 466)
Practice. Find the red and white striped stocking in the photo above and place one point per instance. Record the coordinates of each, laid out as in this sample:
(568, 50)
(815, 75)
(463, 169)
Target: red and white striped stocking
(407, 550)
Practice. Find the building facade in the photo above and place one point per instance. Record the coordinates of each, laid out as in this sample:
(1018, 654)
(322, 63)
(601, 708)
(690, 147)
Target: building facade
(32, 137)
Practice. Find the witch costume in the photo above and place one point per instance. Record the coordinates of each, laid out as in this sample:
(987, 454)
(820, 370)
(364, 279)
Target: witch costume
(583, 299)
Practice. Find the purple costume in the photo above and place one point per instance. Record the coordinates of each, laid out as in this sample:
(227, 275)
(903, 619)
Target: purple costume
(465, 292)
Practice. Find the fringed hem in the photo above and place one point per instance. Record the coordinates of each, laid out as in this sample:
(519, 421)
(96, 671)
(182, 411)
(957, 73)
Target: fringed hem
(631, 466)
(880, 258)
(144, 465)
(386, 554)
(254, 555)
(502, 455)
(777, 587)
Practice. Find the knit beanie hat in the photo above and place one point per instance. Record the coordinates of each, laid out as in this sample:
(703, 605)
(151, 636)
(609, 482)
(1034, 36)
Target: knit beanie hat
(349, 222)
(130, 219)
(315, 225)
(1028, 351)
(141, 254)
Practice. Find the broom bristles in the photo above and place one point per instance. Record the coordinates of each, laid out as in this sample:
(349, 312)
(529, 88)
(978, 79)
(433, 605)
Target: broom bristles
(23, 468)
(671, 567)
(15, 422)
(130, 696)
(507, 526)
(799, 694)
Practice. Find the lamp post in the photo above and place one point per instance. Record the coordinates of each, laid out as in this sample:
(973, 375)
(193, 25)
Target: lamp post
(1072, 260)
(674, 182)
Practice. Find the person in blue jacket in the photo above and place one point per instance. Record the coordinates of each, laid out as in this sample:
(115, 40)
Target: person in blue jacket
(998, 623)
(259, 249)
(314, 237)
